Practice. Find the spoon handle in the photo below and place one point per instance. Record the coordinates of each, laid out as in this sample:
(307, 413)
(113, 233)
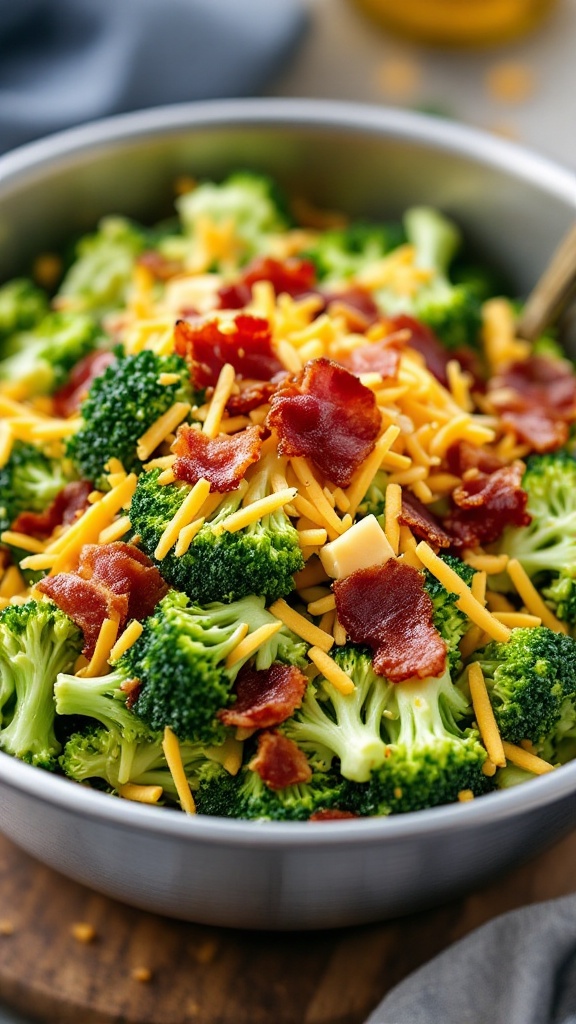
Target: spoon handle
(553, 291)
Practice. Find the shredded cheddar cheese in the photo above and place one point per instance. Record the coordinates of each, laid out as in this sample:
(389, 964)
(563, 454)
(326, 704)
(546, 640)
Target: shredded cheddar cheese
(250, 643)
(332, 672)
(524, 759)
(485, 715)
(531, 597)
(301, 626)
(125, 641)
(173, 757)
(159, 430)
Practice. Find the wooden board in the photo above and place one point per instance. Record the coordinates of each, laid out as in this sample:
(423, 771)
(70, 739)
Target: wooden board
(206, 975)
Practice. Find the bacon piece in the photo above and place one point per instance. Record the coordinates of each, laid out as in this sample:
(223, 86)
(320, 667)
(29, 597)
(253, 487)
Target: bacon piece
(279, 762)
(69, 397)
(161, 268)
(63, 510)
(326, 414)
(132, 687)
(356, 305)
(207, 348)
(381, 357)
(265, 698)
(331, 814)
(537, 399)
(462, 456)
(424, 341)
(253, 394)
(387, 608)
(423, 522)
(293, 276)
(87, 602)
(487, 503)
(124, 570)
(222, 460)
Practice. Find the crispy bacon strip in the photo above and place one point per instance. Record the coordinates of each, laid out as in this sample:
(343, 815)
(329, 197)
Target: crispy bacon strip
(222, 460)
(331, 814)
(279, 762)
(387, 608)
(293, 276)
(485, 504)
(161, 268)
(87, 602)
(265, 698)
(207, 348)
(462, 456)
(69, 397)
(72, 499)
(381, 357)
(423, 522)
(356, 304)
(424, 341)
(326, 414)
(124, 570)
(537, 399)
(253, 394)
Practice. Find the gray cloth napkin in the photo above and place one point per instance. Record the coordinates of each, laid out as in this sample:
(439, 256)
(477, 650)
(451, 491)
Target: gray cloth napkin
(517, 969)
(63, 62)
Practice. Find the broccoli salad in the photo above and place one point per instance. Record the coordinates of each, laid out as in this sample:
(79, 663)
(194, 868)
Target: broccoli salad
(287, 515)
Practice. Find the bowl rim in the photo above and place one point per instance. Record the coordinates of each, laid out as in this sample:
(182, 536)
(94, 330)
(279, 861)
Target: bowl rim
(21, 166)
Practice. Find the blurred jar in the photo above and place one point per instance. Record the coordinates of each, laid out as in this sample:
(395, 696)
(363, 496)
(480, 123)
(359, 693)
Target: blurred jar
(458, 22)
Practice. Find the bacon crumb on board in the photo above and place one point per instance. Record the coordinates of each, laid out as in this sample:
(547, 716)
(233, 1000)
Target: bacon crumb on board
(63, 510)
(387, 608)
(279, 762)
(265, 698)
(326, 414)
(222, 460)
(485, 504)
(207, 348)
(422, 522)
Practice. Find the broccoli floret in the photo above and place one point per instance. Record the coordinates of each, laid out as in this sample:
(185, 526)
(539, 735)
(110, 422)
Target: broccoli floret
(450, 622)
(511, 775)
(246, 796)
(122, 404)
(348, 726)
(546, 548)
(343, 252)
(22, 306)
(453, 311)
(374, 501)
(39, 361)
(531, 681)
(249, 203)
(430, 759)
(260, 559)
(180, 660)
(37, 641)
(101, 273)
(29, 482)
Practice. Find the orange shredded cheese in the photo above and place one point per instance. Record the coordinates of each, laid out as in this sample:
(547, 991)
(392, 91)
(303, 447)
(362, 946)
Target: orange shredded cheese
(393, 510)
(524, 759)
(186, 514)
(531, 597)
(301, 626)
(173, 756)
(125, 642)
(485, 715)
(106, 640)
(250, 643)
(140, 794)
(330, 670)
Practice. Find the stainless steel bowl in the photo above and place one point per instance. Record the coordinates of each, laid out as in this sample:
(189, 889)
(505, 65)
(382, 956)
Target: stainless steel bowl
(514, 207)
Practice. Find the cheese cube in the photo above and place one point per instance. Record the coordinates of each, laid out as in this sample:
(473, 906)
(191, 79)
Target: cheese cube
(363, 545)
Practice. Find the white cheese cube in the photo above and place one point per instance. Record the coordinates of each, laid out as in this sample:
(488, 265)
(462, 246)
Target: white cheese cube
(363, 545)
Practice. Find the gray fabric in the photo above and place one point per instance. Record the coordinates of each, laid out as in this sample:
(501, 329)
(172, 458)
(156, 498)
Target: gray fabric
(63, 62)
(518, 969)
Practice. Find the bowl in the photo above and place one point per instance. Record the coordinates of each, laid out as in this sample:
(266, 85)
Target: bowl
(513, 206)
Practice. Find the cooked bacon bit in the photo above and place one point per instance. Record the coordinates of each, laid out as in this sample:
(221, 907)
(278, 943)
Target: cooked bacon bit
(423, 522)
(253, 394)
(485, 504)
(293, 276)
(207, 348)
(380, 357)
(331, 814)
(265, 698)
(159, 266)
(424, 341)
(72, 499)
(222, 460)
(537, 399)
(69, 397)
(356, 304)
(132, 687)
(387, 607)
(326, 414)
(87, 602)
(463, 456)
(124, 570)
(279, 762)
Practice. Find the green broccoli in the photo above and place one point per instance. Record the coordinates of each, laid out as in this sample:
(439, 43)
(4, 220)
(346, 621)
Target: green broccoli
(430, 759)
(122, 404)
(100, 275)
(246, 796)
(180, 660)
(341, 253)
(453, 311)
(374, 501)
(348, 726)
(29, 482)
(511, 775)
(531, 681)
(250, 203)
(22, 306)
(546, 548)
(40, 360)
(260, 559)
(37, 641)
(450, 622)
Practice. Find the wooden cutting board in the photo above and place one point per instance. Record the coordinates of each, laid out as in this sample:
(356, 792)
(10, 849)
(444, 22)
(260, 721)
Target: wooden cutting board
(203, 975)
